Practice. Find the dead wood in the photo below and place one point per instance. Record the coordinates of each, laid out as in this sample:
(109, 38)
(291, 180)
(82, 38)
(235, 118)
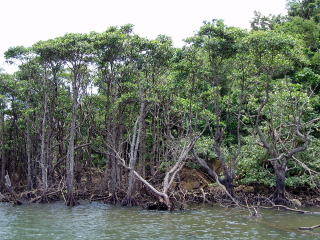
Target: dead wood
(309, 228)
(290, 209)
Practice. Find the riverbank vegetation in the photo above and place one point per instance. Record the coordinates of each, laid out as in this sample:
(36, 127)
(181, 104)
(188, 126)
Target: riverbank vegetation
(114, 116)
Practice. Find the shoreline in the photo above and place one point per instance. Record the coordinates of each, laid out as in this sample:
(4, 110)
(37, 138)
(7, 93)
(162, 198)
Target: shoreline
(183, 194)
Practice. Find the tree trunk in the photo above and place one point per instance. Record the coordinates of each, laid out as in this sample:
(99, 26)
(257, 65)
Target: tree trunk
(2, 152)
(53, 131)
(142, 147)
(171, 174)
(155, 143)
(169, 177)
(228, 183)
(71, 201)
(279, 194)
(111, 137)
(29, 160)
(218, 140)
(43, 155)
(128, 200)
(113, 183)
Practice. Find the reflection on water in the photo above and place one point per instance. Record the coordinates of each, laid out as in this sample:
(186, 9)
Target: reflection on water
(98, 221)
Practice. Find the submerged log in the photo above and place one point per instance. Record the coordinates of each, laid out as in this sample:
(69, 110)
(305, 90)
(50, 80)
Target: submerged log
(309, 228)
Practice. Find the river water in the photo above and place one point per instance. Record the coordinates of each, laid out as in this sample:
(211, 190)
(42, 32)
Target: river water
(98, 221)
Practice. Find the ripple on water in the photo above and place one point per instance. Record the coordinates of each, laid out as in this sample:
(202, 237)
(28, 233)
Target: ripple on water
(98, 221)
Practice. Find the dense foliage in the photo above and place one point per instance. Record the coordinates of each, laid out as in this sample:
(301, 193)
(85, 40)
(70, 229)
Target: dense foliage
(247, 101)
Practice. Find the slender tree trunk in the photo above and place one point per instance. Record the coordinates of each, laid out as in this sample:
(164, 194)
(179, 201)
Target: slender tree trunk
(12, 165)
(128, 200)
(228, 178)
(142, 147)
(113, 186)
(218, 139)
(29, 159)
(53, 130)
(171, 174)
(43, 154)
(155, 143)
(113, 136)
(2, 151)
(71, 201)
(113, 166)
(70, 160)
(49, 157)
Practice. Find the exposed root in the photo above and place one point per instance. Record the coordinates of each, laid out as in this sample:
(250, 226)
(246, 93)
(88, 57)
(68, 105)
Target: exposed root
(71, 200)
(94, 198)
(129, 202)
(281, 200)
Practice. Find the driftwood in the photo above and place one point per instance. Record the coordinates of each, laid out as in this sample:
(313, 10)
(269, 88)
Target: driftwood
(291, 209)
(309, 228)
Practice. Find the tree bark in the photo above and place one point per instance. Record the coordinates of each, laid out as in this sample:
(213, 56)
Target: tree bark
(43, 155)
(155, 142)
(279, 194)
(71, 201)
(113, 164)
(29, 159)
(142, 146)
(128, 200)
(2, 151)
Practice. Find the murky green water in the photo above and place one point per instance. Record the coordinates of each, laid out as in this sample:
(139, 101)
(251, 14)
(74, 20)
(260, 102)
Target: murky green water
(98, 221)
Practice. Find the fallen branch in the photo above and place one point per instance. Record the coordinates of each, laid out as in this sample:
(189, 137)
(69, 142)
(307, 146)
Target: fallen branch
(214, 175)
(290, 209)
(39, 198)
(309, 228)
(169, 176)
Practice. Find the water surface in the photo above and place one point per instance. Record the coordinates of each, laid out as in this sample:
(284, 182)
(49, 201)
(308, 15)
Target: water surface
(98, 221)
